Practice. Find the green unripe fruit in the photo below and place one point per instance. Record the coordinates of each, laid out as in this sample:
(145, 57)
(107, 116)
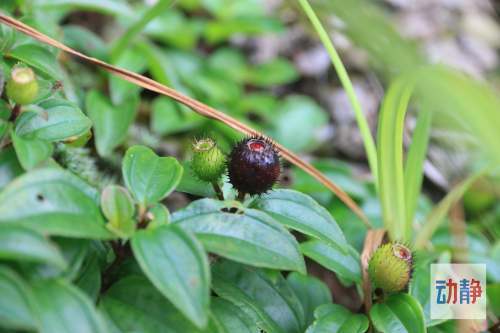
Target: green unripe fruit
(22, 87)
(390, 267)
(209, 162)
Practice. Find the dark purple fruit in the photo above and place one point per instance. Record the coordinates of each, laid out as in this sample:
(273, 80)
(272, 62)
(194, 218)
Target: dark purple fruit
(254, 166)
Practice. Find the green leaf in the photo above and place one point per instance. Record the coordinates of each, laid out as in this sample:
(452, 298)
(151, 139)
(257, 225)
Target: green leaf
(224, 9)
(217, 31)
(267, 291)
(111, 123)
(248, 236)
(400, 313)
(311, 291)
(9, 166)
(75, 251)
(134, 305)
(235, 295)
(149, 177)
(176, 30)
(109, 7)
(229, 62)
(4, 127)
(57, 120)
(494, 298)
(170, 117)
(89, 279)
(120, 89)
(192, 185)
(63, 308)
(15, 301)
(118, 208)
(276, 72)
(123, 42)
(300, 212)
(334, 318)
(414, 165)
(231, 317)
(215, 88)
(31, 152)
(23, 244)
(347, 265)
(38, 57)
(289, 120)
(5, 108)
(159, 215)
(55, 202)
(82, 39)
(177, 265)
(390, 160)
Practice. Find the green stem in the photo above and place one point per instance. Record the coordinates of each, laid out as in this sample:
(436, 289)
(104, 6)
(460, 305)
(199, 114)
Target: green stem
(218, 191)
(124, 41)
(368, 141)
(241, 196)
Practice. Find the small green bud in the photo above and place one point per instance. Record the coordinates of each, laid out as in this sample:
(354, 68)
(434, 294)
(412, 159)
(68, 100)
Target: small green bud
(118, 208)
(22, 87)
(390, 267)
(209, 162)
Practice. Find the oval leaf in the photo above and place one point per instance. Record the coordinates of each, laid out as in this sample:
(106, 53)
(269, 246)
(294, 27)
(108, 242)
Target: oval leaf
(177, 265)
(149, 177)
(62, 308)
(111, 123)
(15, 301)
(347, 265)
(334, 318)
(311, 291)
(269, 292)
(55, 202)
(400, 313)
(56, 120)
(232, 293)
(23, 244)
(38, 57)
(9, 166)
(134, 305)
(31, 152)
(302, 213)
(250, 237)
(231, 318)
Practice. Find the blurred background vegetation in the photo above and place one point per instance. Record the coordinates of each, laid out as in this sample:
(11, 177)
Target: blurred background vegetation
(262, 63)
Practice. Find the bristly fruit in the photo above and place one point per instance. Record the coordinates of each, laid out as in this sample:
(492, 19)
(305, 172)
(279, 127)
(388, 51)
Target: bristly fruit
(390, 267)
(209, 162)
(22, 87)
(254, 166)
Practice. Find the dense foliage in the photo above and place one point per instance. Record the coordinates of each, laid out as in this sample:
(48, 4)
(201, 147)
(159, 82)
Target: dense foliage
(118, 212)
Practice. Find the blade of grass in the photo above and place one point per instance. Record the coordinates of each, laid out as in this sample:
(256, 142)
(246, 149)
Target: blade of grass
(414, 166)
(195, 105)
(390, 159)
(368, 140)
(437, 215)
(124, 41)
